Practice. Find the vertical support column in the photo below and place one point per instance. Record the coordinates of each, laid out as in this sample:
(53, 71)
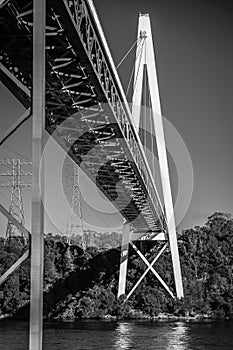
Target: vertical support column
(124, 259)
(37, 242)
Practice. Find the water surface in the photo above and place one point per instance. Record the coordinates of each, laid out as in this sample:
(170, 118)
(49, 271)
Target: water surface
(108, 335)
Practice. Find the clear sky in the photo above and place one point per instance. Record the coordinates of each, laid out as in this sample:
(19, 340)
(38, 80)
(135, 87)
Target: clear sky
(194, 53)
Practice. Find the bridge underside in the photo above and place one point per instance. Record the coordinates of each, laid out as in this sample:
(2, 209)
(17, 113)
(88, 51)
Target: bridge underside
(86, 112)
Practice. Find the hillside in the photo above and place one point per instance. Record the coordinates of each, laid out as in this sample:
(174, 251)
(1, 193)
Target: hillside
(81, 284)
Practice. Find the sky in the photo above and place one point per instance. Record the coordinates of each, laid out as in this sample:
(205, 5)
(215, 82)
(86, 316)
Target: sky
(194, 55)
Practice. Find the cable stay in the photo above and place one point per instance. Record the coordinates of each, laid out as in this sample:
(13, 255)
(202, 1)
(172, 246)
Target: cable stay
(128, 52)
(132, 74)
(139, 43)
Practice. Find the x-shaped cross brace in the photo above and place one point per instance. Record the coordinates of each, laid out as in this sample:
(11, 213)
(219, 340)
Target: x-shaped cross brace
(149, 268)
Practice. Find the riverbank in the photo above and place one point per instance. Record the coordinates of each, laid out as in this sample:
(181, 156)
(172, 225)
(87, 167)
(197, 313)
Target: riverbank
(139, 315)
(131, 316)
(84, 284)
(163, 317)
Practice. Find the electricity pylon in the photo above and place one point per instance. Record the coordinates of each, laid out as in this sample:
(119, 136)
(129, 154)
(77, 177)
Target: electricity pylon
(16, 184)
(75, 227)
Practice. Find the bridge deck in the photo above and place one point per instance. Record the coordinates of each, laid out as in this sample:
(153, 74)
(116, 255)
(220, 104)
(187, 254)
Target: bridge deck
(86, 109)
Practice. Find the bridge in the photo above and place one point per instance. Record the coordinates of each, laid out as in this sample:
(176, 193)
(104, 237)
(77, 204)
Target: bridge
(55, 60)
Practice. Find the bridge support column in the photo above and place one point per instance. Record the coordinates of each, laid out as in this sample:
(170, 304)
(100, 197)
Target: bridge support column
(124, 259)
(38, 125)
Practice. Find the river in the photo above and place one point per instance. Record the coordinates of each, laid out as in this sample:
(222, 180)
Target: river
(108, 335)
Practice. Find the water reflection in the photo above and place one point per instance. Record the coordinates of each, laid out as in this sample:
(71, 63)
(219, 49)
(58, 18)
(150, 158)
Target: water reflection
(178, 338)
(123, 337)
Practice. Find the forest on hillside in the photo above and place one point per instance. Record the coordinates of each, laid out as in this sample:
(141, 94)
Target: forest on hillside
(83, 284)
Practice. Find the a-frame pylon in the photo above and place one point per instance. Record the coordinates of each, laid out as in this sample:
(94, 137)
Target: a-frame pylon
(145, 59)
(145, 70)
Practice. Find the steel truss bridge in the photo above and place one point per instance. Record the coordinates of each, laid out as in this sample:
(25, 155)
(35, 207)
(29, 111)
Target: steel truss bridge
(86, 109)
(55, 60)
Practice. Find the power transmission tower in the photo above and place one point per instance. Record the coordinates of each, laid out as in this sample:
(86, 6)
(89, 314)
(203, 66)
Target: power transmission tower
(74, 227)
(16, 184)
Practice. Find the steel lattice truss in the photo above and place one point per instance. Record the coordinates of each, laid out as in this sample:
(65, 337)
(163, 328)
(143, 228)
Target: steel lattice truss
(86, 109)
(16, 184)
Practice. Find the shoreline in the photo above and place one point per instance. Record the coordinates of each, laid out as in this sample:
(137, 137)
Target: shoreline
(162, 317)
